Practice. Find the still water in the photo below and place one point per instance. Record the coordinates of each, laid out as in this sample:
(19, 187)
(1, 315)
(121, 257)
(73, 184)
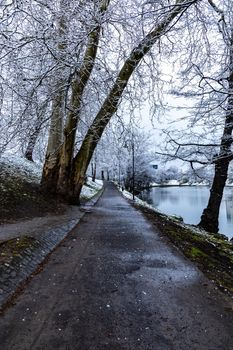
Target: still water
(189, 203)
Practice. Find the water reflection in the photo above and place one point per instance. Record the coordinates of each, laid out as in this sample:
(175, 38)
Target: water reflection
(189, 203)
(229, 207)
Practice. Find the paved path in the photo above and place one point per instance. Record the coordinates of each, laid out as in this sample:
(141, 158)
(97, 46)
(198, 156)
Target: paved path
(39, 226)
(48, 232)
(115, 284)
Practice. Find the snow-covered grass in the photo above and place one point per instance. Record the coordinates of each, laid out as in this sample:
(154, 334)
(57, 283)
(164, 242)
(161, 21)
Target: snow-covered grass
(91, 188)
(15, 166)
(18, 167)
(137, 200)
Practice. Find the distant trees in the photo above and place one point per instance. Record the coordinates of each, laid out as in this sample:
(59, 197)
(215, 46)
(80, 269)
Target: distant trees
(138, 173)
(143, 176)
(120, 149)
(165, 174)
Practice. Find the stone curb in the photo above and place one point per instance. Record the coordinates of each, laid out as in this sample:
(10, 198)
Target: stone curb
(13, 275)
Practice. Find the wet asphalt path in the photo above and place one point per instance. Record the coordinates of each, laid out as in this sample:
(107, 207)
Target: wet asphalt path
(115, 284)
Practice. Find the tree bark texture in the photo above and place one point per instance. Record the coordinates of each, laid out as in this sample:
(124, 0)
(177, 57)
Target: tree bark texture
(52, 159)
(32, 143)
(93, 171)
(78, 86)
(109, 107)
(209, 219)
(36, 132)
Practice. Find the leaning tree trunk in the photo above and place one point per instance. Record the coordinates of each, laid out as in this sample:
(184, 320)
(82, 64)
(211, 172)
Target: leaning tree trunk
(78, 87)
(109, 107)
(210, 215)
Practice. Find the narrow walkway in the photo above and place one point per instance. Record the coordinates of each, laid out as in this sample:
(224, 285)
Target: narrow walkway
(115, 284)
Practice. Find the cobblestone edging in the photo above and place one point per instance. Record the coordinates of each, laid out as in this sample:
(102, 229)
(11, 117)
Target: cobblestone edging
(23, 265)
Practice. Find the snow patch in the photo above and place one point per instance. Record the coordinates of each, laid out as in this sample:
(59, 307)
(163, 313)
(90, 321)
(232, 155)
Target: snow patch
(13, 165)
(173, 183)
(91, 188)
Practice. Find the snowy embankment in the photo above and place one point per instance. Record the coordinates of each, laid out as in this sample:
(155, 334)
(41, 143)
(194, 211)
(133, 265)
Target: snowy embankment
(129, 195)
(90, 189)
(144, 204)
(15, 166)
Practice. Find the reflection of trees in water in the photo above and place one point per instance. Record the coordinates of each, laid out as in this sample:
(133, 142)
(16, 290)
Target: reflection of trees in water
(229, 207)
(146, 196)
(160, 195)
(189, 201)
(197, 196)
(176, 196)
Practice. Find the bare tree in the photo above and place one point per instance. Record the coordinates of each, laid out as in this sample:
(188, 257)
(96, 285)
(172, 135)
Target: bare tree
(209, 218)
(209, 80)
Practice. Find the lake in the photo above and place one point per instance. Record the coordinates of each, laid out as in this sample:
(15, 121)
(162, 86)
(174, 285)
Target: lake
(189, 202)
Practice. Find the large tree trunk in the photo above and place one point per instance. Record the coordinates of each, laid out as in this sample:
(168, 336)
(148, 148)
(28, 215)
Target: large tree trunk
(109, 107)
(209, 219)
(78, 87)
(52, 160)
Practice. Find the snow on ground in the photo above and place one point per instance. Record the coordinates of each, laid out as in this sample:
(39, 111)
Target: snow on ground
(13, 165)
(137, 200)
(173, 183)
(154, 184)
(91, 188)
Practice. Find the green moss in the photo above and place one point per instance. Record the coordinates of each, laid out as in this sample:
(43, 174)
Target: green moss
(24, 242)
(14, 248)
(196, 252)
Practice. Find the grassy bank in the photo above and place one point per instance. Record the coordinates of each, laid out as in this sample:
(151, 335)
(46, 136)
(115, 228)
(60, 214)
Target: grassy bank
(213, 254)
